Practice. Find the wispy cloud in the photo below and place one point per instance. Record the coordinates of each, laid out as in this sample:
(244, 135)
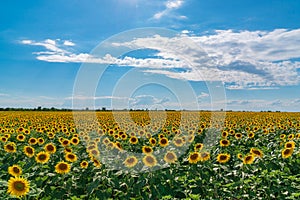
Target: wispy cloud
(170, 6)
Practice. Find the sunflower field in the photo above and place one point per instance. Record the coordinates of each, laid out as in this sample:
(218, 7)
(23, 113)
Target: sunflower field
(149, 155)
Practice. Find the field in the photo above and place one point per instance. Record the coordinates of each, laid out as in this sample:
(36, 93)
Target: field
(149, 155)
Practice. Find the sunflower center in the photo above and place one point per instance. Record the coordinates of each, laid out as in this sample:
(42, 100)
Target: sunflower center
(194, 156)
(63, 166)
(170, 156)
(10, 147)
(150, 159)
(130, 160)
(286, 152)
(50, 148)
(42, 157)
(248, 158)
(29, 150)
(16, 170)
(18, 185)
(223, 157)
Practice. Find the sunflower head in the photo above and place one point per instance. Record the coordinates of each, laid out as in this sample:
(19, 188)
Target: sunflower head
(204, 156)
(71, 157)
(50, 148)
(248, 159)
(18, 187)
(256, 152)
(194, 157)
(29, 151)
(42, 157)
(84, 164)
(15, 170)
(170, 157)
(149, 161)
(10, 147)
(133, 140)
(223, 158)
(163, 142)
(130, 161)
(147, 149)
(290, 145)
(224, 143)
(62, 168)
(286, 153)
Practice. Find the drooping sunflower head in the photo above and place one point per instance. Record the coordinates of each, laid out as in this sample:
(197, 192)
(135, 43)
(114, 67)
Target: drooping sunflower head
(149, 160)
(42, 157)
(18, 187)
(170, 157)
(223, 158)
(62, 167)
(15, 170)
(130, 161)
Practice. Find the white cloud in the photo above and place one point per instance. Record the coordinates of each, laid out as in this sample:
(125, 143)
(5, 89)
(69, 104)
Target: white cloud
(146, 101)
(242, 59)
(170, 5)
(4, 95)
(68, 43)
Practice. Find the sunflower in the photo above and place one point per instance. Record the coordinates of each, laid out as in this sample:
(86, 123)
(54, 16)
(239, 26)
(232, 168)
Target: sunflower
(238, 136)
(133, 140)
(124, 136)
(256, 152)
(251, 135)
(240, 156)
(152, 141)
(170, 157)
(204, 156)
(18, 186)
(50, 148)
(290, 145)
(282, 136)
(20, 137)
(71, 157)
(248, 159)
(41, 141)
(149, 160)
(198, 147)
(42, 157)
(286, 153)
(10, 147)
(84, 164)
(224, 134)
(147, 150)
(67, 150)
(62, 168)
(96, 162)
(118, 145)
(224, 143)
(4, 139)
(223, 157)
(32, 141)
(29, 151)
(15, 170)
(94, 152)
(65, 142)
(75, 140)
(194, 157)
(297, 136)
(130, 161)
(291, 136)
(163, 142)
(178, 141)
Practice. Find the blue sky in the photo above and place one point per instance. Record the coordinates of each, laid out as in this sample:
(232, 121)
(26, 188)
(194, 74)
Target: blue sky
(240, 55)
